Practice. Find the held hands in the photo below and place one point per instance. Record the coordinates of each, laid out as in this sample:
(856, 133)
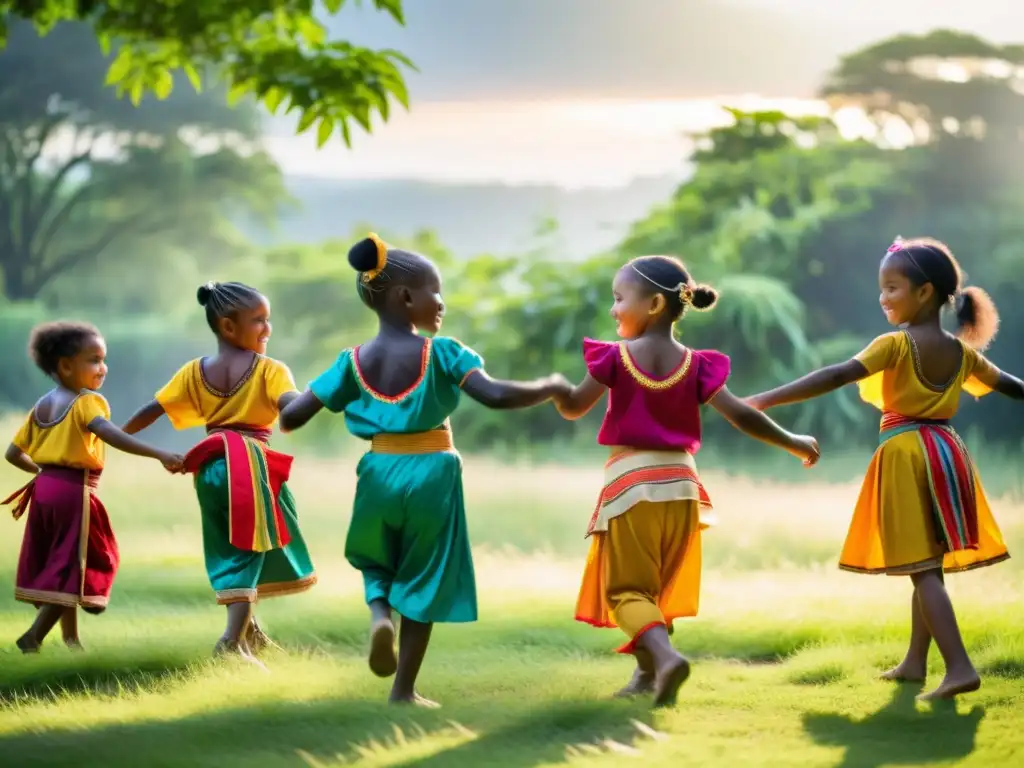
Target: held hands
(806, 449)
(757, 402)
(560, 388)
(173, 462)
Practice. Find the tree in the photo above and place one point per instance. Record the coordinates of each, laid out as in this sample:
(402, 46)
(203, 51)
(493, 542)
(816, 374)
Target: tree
(274, 49)
(82, 171)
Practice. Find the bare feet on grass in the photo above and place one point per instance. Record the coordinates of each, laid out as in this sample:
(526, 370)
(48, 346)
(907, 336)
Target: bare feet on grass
(954, 684)
(414, 699)
(383, 661)
(27, 644)
(906, 671)
(642, 681)
(227, 649)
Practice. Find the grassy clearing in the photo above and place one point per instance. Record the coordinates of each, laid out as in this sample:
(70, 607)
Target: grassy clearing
(787, 647)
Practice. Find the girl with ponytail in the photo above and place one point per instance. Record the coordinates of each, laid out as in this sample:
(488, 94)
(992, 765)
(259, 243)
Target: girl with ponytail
(922, 511)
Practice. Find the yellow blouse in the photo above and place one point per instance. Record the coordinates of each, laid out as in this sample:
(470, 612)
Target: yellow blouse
(896, 384)
(190, 401)
(66, 441)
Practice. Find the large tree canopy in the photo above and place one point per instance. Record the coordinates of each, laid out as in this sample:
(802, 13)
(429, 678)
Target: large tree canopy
(82, 171)
(273, 49)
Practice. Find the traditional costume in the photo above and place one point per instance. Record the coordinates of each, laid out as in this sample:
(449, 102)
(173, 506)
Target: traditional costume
(644, 565)
(408, 534)
(69, 555)
(922, 505)
(251, 539)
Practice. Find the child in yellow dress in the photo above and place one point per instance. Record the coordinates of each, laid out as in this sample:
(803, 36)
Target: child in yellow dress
(69, 554)
(922, 510)
(251, 539)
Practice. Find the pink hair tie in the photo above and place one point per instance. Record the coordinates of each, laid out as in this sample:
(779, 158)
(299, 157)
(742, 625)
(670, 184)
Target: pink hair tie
(897, 245)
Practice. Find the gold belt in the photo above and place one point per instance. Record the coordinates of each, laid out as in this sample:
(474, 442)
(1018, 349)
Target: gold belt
(434, 441)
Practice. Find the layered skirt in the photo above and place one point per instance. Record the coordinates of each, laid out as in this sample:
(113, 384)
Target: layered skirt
(921, 506)
(69, 555)
(644, 565)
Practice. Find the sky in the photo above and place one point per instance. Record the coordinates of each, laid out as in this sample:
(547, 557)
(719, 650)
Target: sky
(585, 93)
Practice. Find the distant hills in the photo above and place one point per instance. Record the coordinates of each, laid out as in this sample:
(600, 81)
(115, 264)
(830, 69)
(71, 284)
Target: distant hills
(469, 218)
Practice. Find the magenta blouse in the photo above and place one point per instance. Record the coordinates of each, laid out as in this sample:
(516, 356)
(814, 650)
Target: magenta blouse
(650, 413)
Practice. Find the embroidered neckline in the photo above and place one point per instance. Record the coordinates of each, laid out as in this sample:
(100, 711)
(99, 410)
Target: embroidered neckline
(650, 382)
(392, 399)
(59, 419)
(916, 361)
(238, 384)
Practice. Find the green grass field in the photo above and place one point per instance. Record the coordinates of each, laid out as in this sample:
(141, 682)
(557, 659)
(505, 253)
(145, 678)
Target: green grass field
(786, 649)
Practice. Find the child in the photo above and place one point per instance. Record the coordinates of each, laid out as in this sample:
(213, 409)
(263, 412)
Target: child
(643, 569)
(69, 555)
(408, 531)
(921, 509)
(251, 539)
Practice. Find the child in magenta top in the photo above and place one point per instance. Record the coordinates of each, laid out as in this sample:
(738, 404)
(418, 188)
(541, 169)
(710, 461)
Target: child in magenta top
(643, 569)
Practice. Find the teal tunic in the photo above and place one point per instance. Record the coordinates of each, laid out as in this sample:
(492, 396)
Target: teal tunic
(408, 534)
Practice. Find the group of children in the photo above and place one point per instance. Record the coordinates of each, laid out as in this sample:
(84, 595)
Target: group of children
(921, 512)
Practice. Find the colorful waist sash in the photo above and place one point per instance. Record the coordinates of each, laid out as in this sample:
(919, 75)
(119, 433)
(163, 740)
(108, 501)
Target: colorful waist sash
(951, 477)
(22, 497)
(434, 441)
(632, 476)
(255, 477)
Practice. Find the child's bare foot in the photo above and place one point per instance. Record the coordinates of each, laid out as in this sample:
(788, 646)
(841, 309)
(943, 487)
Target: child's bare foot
(953, 685)
(641, 683)
(26, 644)
(415, 699)
(226, 648)
(906, 672)
(668, 680)
(257, 639)
(383, 661)
(73, 644)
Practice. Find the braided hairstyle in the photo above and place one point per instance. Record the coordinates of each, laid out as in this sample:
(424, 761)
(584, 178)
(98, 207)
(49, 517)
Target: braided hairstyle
(667, 275)
(49, 343)
(225, 299)
(925, 260)
(400, 268)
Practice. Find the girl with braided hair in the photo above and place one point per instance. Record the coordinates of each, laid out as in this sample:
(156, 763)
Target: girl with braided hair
(251, 539)
(643, 569)
(408, 532)
(922, 510)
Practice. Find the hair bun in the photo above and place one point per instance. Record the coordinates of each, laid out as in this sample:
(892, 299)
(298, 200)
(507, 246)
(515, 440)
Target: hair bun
(704, 297)
(363, 255)
(204, 292)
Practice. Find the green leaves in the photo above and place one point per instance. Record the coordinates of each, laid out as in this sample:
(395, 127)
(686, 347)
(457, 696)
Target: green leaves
(278, 52)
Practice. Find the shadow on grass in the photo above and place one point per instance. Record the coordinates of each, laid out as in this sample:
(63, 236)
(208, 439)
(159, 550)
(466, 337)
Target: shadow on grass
(47, 677)
(898, 733)
(329, 731)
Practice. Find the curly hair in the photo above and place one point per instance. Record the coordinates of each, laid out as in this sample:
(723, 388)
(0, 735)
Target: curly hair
(49, 343)
(926, 260)
(667, 275)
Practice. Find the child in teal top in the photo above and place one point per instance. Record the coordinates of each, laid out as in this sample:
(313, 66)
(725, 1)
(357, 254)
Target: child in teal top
(408, 533)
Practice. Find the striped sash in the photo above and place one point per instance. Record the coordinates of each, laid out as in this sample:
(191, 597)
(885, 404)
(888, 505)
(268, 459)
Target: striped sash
(255, 477)
(951, 477)
(632, 476)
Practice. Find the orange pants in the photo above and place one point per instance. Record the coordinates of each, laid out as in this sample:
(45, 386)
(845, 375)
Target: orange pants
(644, 571)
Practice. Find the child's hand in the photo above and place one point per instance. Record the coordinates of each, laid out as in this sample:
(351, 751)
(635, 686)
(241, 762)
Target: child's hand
(806, 449)
(173, 462)
(560, 387)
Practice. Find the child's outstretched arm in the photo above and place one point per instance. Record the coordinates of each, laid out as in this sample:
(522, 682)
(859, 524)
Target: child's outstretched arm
(112, 435)
(507, 395)
(20, 459)
(143, 418)
(815, 384)
(752, 422)
(578, 402)
(297, 409)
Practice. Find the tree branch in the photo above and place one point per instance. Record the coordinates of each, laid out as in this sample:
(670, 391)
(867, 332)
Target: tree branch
(31, 225)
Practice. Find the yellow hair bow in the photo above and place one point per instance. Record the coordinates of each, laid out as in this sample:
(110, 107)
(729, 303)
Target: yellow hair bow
(382, 258)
